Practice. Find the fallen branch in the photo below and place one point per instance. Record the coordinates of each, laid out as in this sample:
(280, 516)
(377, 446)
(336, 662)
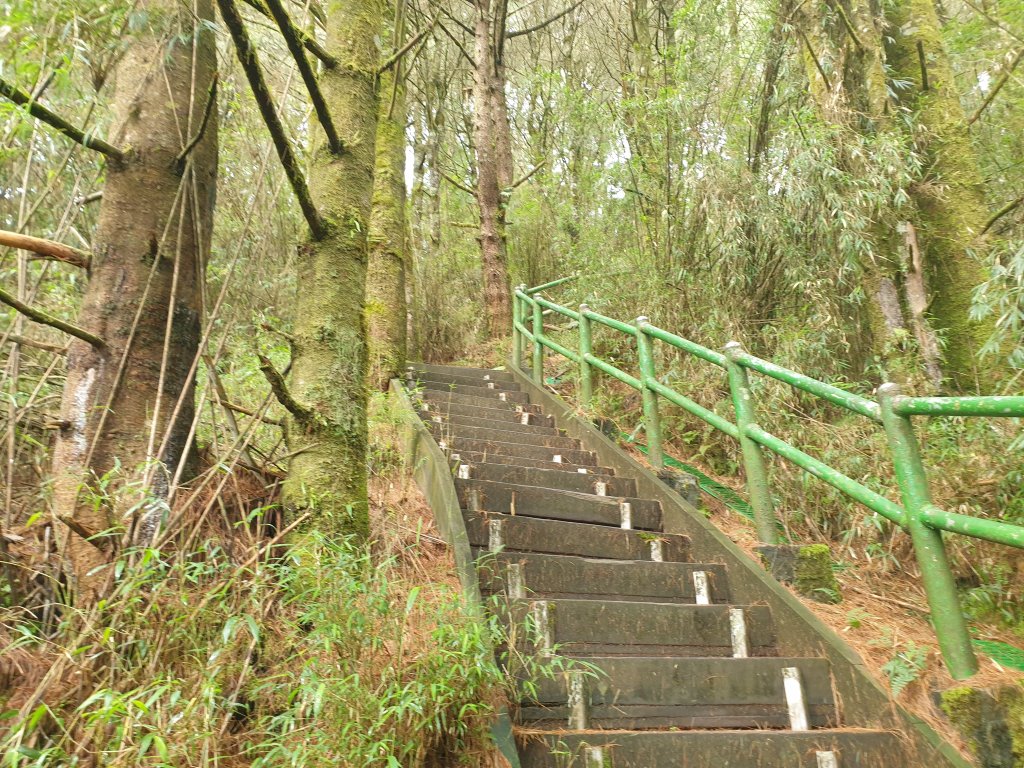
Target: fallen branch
(46, 248)
(251, 65)
(290, 33)
(280, 389)
(46, 319)
(41, 113)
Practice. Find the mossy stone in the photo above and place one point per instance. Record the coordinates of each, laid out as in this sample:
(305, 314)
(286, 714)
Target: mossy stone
(991, 722)
(813, 575)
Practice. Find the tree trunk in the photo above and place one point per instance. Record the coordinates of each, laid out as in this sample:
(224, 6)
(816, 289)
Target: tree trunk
(492, 139)
(951, 199)
(386, 279)
(327, 436)
(130, 404)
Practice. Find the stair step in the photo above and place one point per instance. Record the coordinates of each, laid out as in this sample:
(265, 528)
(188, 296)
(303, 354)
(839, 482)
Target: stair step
(530, 534)
(859, 748)
(458, 370)
(618, 628)
(471, 457)
(463, 380)
(509, 498)
(555, 442)
(504, 414)
(483, 393)
(456, 422)
(459, 443)
(567, 576)
(441, 398)
(681, 692)
(549, 478)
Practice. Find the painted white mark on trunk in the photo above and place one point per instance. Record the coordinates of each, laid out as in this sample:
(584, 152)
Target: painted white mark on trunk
(701, 592)
(494, 535)
(625, 515)
(515, 584)
(794, 698)
(827, 760)
(81, 401)
(738, 633)
(577, 701)
(657, 555)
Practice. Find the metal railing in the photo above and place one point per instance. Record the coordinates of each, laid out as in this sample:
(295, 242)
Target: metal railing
(892, 411)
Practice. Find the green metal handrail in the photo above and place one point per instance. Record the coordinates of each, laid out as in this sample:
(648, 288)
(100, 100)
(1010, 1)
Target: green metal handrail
(892, 410)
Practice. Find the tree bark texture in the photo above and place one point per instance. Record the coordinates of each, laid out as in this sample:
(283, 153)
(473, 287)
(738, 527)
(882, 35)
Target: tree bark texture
(327, 472)
(492, 140)
(130, 403)
(386, 306)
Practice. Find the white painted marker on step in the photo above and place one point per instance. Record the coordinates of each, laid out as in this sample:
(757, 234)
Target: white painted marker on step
(501, 396)
(601, 488)
(557, 458)
(577, 701)
(442, 444)
(463, 472)
(524, 419)
(487, 377)
(827, 760)
(657, 556)
(738, 633)
(625, 515)
(490, 385)
(701, 592)
(515, 585)
(542, 624)
(473, 500)
(594, 757)
(436, 418)
(495, 541)
(581, 470)
(794, 691)
(426, 407)
(455, 457)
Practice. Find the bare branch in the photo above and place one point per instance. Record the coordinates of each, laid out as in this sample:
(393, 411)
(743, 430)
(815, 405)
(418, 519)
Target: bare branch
(47, 319)
(36, 344)
(280, 389)
(211, 99)
(457, 44)
(527, 177)
(291, 37)
(847, 24)
(1008, 208)
(251, 65)
(536, 27)
(457, 184)
(397, 55)
(41, 113)
(46, 248)
(250, 412)
(308, 40)
(1003, 77)
(92, 197)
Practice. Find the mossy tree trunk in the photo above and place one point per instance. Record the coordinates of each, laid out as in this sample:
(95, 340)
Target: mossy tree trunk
(950, 198)
(130, 403)
(493, 144)
(327, 429)
(386, 306)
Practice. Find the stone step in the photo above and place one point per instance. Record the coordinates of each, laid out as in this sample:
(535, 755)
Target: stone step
(441, 398)
(554, 577)
(680, 692)
(618, 628)
(556, 442)
(459, 444)
(503, 425)
(712, 749)
(518, 461)
(504, 413)
(516, 533)
(501, 395)
(511, 499)
(458, 370)
(468, 381)
(548, 478)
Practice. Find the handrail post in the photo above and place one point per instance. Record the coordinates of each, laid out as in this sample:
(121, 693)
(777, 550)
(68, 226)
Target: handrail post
(517, 319)
(939, 585)
(586, 370)
(753, 458)
(652, 419)
(538, 348)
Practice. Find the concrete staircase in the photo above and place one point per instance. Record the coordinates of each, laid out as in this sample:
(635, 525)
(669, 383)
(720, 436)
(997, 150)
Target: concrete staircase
(676, 672)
